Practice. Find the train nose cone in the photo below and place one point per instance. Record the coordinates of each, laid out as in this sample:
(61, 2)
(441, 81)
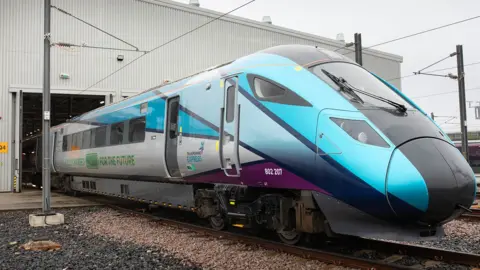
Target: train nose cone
(429, 179)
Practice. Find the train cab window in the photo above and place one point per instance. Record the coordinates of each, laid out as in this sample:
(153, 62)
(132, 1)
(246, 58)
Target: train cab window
(86, 139)
(360, 79)
(100, 136)
(230, 110)
(136, 131)
(267, 90)
(116, 133)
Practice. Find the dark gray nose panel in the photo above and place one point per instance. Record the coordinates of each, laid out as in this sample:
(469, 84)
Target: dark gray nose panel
(448, 176)
(462, 171)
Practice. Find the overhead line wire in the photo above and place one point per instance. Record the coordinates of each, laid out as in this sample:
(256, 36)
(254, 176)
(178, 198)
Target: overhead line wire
(96, 27)
(225, 14)
(436, 70)
(166, 43)
(443, 59)
(445, 93)
(419, 33)
(466, 65)
(65, 44)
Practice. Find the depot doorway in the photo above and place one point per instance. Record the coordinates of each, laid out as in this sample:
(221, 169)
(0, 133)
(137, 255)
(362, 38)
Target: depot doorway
(27, 129)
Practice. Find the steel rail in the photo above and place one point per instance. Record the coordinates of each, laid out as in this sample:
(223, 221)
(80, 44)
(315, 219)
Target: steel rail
(314, 254)
(475, 214)
(443, 255)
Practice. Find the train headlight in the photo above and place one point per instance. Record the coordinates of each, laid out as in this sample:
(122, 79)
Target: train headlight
(360, 131)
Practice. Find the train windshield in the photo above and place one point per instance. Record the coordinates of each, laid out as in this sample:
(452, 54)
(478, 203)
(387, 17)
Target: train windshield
(371, 90)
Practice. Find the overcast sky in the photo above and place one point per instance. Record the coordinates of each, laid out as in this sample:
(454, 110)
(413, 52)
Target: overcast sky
(380, 21)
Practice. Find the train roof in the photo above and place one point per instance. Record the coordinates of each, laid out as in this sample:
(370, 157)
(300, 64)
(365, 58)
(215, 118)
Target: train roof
(303, 55)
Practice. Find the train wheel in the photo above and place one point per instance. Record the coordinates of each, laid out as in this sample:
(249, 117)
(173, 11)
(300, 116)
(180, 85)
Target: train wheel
(290, 237)
(217, 222)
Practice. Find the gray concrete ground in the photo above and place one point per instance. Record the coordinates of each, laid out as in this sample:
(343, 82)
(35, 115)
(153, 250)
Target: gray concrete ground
(32, 199)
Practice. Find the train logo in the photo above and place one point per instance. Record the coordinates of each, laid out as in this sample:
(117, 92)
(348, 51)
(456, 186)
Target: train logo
(92, 161)
(196, 156)
(202, 146)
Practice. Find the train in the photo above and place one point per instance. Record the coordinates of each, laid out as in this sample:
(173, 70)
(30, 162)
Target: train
(294, 139)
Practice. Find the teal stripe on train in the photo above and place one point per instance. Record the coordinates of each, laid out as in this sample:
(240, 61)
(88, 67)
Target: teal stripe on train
(405, 182)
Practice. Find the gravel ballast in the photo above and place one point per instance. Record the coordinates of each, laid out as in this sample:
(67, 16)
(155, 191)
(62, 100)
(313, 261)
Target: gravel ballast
(209, 252)
(461, 235)
(79, 248)
(102, 238)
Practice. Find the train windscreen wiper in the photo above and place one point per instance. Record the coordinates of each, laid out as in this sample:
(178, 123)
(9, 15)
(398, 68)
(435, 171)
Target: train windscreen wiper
(345, 85)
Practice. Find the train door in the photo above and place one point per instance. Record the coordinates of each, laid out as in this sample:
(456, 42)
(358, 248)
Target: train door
(53, 150)
(171, 137)
(229, 129)
(324, 141)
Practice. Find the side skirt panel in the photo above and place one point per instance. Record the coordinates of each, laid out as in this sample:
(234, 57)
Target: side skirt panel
(170, 194)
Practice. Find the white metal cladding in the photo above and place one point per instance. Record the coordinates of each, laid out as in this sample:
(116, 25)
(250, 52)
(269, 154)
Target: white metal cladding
(145, 24)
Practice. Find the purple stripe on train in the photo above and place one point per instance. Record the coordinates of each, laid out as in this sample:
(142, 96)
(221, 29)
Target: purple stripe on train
(259, 175)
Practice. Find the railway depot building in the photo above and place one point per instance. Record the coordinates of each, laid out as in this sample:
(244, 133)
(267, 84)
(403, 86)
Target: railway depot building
(140, 26)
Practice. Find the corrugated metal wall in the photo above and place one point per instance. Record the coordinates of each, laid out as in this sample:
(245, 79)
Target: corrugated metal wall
(143, 24)
(20, 62)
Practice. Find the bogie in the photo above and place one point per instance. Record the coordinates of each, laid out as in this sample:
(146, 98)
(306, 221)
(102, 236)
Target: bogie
(253, 209)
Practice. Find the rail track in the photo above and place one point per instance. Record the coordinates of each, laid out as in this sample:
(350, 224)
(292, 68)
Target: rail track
(323, 256)
(397, 253)
(475, 214)
(452, 257)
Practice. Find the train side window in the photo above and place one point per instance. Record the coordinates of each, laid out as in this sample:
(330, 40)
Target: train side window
(92, 138)
(230, 110)
(116, 133)
(136, 131)
(73, 143)
(77, 141)
(86, 139)
(100, 136)
(69, 142)
(265, 89)
(173, 115)
(65, 143)
(271, 91)
(71, 146)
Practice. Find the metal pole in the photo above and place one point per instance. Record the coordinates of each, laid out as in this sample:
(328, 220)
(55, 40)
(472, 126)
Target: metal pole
(355, 42)
(462, 100)
(46, 110)
(358, 49)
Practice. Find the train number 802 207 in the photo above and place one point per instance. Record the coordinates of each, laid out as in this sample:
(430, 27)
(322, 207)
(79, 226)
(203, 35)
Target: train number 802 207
(270, 171)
